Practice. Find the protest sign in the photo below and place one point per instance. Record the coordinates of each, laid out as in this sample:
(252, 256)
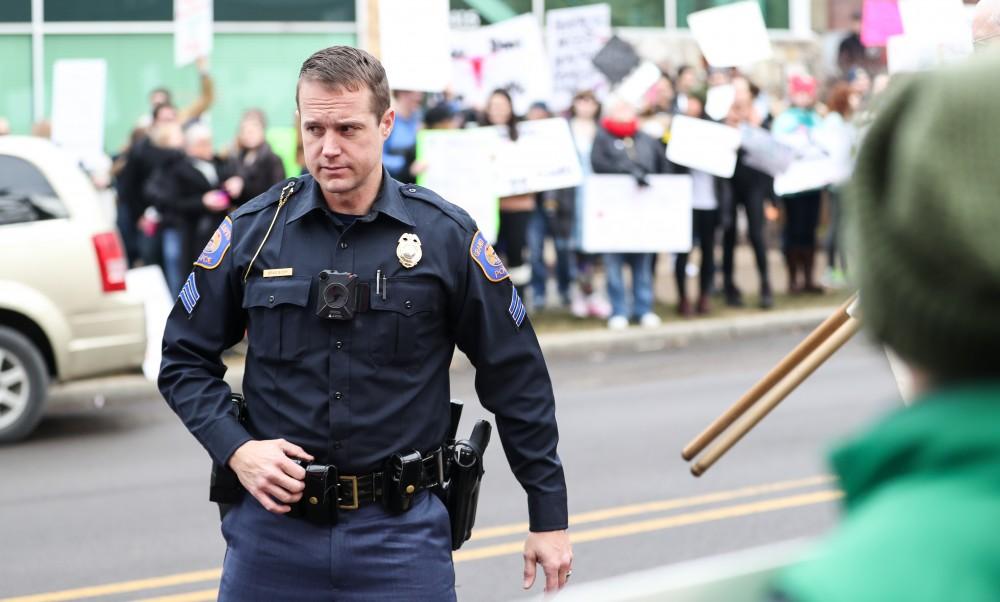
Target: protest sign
(507, 55)
(574, 36)
(425, 66)
(936, 32)
(459, 166)
(192, 30)
(620, 216)
(148, 283)
(703, 145)
(79, 91)
(806, 174)
(731, 35)
(544, 157)
(879, 20)
(719, 100)
(762, 152)
(636, 85)
(616, 59)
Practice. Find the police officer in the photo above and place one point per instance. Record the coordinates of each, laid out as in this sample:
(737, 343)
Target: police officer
(419, 279)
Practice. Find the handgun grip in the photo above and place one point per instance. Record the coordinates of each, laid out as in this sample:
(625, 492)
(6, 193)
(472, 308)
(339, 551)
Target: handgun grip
(480, 436)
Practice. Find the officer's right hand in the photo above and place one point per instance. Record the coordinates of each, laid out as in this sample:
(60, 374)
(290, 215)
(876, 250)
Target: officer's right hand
(266, 470)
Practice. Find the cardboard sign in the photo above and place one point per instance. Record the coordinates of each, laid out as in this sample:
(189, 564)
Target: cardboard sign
(618, 216)
(616, 60)
(79, 91)
(703, 145)
(192, 30)
(544, 157)
(460, 168)
(425, 66)
(574, 36)
(937, 32)
(763, 153)
(508, 55)
(879, 21)
(731, 35)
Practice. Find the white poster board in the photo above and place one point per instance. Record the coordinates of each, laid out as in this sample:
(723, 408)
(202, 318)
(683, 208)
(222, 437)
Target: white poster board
(763, 153)
(732, 35)
(192, 30)
(619, 216)
(636, 85)
(719, 100)
(79, 91)
(543, 158)
(424, 66)
(460, 168)
(703, 145)
(574, 35)
(508, 55)
(148, 283)
(807, 174)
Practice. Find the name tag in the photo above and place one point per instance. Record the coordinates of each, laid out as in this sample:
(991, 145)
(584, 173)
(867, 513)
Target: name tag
(277, 272)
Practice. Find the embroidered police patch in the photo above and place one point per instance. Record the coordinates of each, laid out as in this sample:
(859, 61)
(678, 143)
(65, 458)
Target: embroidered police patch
(483, 254)
(216, 248)
(189, 294)
(516, 310)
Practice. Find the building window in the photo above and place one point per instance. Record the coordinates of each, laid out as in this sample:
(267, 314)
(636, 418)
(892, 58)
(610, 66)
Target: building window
(492, 11)
(624, 13)
(15, 11)
(775, 11)
(225, 10)
(282, 10)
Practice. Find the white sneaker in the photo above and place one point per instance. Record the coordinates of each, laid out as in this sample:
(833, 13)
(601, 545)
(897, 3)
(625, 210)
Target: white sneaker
(617, 323)
(650, 320)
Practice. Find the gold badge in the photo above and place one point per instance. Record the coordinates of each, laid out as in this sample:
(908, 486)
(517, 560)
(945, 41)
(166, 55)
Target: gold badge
(408, 250)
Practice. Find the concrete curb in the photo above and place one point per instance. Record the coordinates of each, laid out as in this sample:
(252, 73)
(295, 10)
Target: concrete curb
(554, 344)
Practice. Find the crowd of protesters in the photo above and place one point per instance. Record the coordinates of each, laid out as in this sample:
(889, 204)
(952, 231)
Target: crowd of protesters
(174, 182)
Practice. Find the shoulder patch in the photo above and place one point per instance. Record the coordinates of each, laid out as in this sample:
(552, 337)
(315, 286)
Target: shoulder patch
(430, 197)
(483, 254)
(217, 246)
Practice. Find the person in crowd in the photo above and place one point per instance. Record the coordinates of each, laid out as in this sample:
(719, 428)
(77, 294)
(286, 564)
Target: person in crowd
(750, 189)
(515, 210)
(687, 81)
(585, 299)
(192, 192)
(658, 109)
(620, 148)
(838, 136)
(553, 219)
(860, 83)
(705, 219)
(399, 150)
(920, 486)
(852, 52)
(797, 127)
(142, 159)
(186, 115)
(257, 165)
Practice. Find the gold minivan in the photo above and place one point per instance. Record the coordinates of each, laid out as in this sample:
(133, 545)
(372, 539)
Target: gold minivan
(65, 313)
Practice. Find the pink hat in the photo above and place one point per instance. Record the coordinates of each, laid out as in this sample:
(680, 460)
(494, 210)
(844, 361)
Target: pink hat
(802, 84)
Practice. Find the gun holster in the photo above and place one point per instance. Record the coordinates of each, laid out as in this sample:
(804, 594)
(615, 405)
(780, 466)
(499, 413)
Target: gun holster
(403, 474)
(467, 472)
(225, 488)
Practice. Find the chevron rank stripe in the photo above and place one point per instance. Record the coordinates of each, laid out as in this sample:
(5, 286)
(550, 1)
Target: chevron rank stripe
(189, 294)
(516, 309)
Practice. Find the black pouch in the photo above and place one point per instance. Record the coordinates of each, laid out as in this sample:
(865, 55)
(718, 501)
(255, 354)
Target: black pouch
(319, 498)
(403, 474)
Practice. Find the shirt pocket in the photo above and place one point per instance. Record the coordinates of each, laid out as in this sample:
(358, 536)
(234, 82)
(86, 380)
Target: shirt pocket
(407, 323)
(278, 317)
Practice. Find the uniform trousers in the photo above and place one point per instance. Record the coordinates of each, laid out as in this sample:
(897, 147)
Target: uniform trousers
(370, 555)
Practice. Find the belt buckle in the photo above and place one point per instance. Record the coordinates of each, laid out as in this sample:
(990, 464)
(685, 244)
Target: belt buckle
(355, 502)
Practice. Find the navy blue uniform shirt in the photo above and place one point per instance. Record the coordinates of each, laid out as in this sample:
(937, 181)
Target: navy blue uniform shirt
(351, 393)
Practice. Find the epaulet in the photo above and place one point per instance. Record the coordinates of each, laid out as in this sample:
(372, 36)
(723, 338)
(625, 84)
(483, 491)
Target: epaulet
(430, 197)
(266, 199)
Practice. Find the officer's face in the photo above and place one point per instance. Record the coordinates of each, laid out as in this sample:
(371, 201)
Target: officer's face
(341, 138)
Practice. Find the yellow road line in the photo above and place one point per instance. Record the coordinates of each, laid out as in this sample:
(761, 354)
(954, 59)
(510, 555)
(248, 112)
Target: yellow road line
(511, 529)
(205, 595)
(122, 587)
(649, 507)
(669, 522)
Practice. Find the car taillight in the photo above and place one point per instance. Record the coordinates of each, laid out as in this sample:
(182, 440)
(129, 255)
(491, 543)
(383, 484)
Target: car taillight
(111, 259)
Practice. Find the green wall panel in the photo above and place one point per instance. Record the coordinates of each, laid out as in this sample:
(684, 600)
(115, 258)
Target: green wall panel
(250, 70)
(15, 89)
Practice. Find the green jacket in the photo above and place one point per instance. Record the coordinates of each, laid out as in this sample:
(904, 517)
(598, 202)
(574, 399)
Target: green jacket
(922, 502)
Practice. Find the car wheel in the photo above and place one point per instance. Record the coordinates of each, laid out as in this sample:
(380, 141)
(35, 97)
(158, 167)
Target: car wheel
(23, 384)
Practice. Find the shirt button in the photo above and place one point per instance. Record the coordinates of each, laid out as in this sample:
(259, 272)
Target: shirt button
(270, 299)
(338, 395)
(343, 245)
(340, 344)
(408, 304)
(337, 445)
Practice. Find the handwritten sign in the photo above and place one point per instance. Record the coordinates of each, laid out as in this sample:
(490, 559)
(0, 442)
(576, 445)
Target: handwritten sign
(574, 36)
(192, 30)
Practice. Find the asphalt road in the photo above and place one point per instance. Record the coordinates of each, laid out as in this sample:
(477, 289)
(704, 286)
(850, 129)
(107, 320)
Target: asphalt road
(109, 503)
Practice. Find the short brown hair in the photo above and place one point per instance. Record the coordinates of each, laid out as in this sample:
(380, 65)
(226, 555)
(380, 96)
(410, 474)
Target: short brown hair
(348, 68)
(839, 99)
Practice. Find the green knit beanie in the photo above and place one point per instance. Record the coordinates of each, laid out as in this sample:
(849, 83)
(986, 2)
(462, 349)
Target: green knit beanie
(924, 221)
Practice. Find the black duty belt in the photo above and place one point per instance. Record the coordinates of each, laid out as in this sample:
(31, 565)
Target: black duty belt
(327, 492)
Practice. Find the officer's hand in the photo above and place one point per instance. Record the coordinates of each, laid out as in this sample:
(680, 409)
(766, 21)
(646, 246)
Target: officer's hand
(552, 550)
(266, 471)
